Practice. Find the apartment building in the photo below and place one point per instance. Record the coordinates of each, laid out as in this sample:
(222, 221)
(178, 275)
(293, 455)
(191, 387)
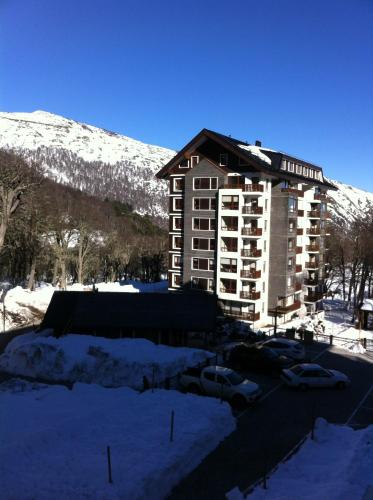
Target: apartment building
(249, 224)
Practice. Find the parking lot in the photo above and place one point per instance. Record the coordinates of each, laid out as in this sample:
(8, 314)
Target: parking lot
(267, 431)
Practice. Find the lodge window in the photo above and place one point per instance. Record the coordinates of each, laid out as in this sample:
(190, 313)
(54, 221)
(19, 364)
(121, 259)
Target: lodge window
(228, 244)
(229, 202)
(176, 280)
(223, 159)
(203, 224)
(176, 261)
(299, 169)
(204, 203)
(202, 283)
(305, 171)
(184, 163)
(194, 160)
(178, 223)
(292, 204)
(283, 164)
(178, 184)
(228, 286)
(177, 242)
(203, 244)
(202, 264)
(291, 245)
(205, 183)
(291, 166)
(228, 265)
(178, 204)
(290, 263)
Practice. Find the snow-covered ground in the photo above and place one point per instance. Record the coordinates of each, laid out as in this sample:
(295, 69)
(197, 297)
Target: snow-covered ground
(24, 307)
(54, 441)
(337, 465)
(107, 362)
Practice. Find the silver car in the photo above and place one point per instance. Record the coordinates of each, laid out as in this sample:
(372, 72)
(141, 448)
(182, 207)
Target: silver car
(308, 375)
(290, 348)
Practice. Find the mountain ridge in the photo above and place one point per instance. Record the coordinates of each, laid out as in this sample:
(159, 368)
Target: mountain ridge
(110, 165)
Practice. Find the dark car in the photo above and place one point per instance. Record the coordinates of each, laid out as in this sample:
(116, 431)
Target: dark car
(258, 358)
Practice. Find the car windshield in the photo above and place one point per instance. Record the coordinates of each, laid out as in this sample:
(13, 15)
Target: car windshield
(297, 370)
(234, 378)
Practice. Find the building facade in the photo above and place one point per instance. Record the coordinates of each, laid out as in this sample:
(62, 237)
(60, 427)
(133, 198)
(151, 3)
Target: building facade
(248, 224)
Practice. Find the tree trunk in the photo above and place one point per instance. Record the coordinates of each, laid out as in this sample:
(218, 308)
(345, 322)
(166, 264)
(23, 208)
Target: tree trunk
(63, 274)
(31, 279)
(55, 272)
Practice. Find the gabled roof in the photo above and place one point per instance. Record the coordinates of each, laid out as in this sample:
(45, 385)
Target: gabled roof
(264, 159)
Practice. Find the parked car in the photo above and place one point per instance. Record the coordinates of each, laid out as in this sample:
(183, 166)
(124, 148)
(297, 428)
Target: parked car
(308, 375)
(287, 347)
(258, 358)
(222, 383)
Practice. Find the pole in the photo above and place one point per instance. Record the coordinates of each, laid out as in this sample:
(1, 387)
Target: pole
(275, 329)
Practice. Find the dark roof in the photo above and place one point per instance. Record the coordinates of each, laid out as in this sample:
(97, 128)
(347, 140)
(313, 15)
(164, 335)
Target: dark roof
(234, 145)
(84, 311)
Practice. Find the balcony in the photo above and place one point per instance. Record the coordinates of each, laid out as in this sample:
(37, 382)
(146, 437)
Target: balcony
(314, 214)
(227, 289)
(229, 206)
(233, 186)
(292, 191)
(282, 309)
(313, 297)
(253, 253)
(247, 210)
(312, 265)
(252, 188)
(248, 316)
(250, 295)
(299, 231)
(321, 197)
(229, 228)
(251, 231)
(314, 230)
(298, 250)
(312, 248)
(231, 248)
(252, 274)
(300, 213)
(298, 268)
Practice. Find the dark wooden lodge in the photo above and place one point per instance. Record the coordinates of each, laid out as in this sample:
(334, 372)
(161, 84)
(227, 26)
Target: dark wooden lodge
(162, 318)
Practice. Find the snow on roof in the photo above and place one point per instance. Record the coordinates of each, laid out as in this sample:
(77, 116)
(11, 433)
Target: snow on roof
(256, 151)
(367, 305)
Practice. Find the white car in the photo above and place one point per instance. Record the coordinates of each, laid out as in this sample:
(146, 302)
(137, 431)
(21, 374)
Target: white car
(290, 348)
(308, 375)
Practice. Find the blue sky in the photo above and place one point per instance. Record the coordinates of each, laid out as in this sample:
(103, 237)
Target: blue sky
(296, 74)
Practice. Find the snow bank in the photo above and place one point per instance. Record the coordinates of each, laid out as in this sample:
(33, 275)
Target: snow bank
(107, 362)
(55, 440)
(337, 465)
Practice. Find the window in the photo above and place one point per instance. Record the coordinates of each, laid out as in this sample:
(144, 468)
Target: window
(177, 204)
(284, 184)
(299, 169)
(176, 280)
(228, 265)
(228, 244)
(264, 246)
(203, 244)
(291, 244)
(263, 287)
(178, 184)
(202, 264)
(194, 160)
(229, 202)
(177, 223)
(265, 225)
(229, 223)
(305, 171)
(204, 203)
(291, 166)
(184, 163)
(202, 283)
(292, 204)
(176, 261)
(266, 204)
(223, 159)
(290, 281)
(177, 242)
(228, 286)
(205, 183)
(203, 224)
(283, 164)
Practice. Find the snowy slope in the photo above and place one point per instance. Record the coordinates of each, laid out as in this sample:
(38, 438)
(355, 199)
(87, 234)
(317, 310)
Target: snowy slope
(107, 164)
(91, 159)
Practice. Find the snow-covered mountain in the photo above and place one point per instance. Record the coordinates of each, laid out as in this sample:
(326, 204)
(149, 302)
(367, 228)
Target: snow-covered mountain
(107, 164)
(91, 159)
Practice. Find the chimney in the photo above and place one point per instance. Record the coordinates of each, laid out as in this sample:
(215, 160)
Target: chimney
(258, 143)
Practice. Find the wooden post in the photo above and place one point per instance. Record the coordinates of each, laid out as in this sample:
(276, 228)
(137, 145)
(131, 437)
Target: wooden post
(109, 464)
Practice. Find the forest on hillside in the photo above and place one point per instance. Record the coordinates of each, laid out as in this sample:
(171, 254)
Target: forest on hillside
(58, 234)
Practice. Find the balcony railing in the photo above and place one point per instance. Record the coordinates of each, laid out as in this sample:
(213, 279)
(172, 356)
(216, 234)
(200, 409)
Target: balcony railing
(250, 274)
(312, 265)
(291, 307)
(253, 188)
(252, 210)
(298, 250)
(228, 289)
(298, 268)
(313, 297)
(314, 214)
(312, 248)
(233, 186)
(229, 228)
(320, 197)
(292, 191)
(313, 230)
(252, 252)
(229, 206)
(251, 231)
(299, 231)
(229, 249)
(250, 295)
(300, 213)
(248, 316)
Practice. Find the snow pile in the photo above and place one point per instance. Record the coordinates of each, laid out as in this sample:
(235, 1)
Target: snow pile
(256, 151)
(337, 465)
(107, 362)
(55, 444)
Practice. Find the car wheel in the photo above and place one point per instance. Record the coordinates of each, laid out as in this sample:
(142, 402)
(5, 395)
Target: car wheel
(340, 385)
(239, 402)
(303, 387)
(194, 389)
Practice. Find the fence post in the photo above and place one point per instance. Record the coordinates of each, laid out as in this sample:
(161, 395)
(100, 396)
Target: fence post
(331, 339)
(172, 426)
(109, 463)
